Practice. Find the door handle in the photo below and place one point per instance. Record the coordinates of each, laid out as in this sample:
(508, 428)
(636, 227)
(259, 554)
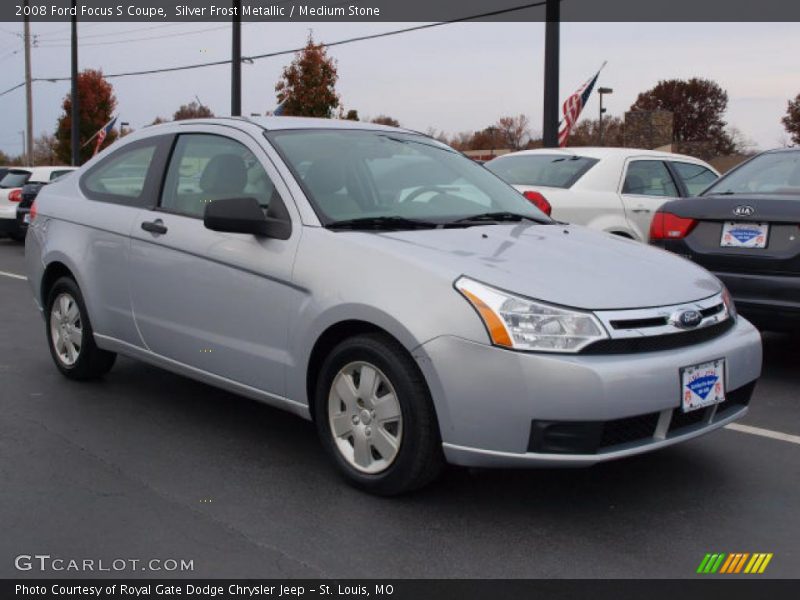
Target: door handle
(641, 210)
(156, 226)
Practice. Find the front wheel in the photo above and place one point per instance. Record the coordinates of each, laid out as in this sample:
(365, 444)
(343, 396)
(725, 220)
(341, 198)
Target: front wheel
(375, 417)
(69, 334)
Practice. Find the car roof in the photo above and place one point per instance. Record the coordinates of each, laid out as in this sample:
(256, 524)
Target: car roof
(605, 152)
(273, 123)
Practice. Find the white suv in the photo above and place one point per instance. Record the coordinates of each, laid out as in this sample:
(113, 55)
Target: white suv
(11, 193)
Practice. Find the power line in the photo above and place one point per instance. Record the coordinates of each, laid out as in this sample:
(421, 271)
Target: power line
(294, 50)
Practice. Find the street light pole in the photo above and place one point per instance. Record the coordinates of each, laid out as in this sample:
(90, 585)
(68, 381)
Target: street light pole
(551, 62)
(236, 61)
(75, 132)
(601, 91)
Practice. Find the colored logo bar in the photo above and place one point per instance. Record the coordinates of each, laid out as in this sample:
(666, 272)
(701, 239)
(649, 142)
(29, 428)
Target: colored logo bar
(737, 562)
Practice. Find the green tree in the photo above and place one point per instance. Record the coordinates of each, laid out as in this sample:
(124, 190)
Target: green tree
(307, 87)
(97, 104)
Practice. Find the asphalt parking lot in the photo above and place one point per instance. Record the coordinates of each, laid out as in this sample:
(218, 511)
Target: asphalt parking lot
(146, 464)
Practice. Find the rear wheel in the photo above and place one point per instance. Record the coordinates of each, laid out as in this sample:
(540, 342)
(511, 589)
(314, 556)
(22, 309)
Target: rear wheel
(70, 336)
(375, 417)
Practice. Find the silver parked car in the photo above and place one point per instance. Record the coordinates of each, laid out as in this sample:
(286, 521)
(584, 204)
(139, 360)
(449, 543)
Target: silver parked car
(418, 309)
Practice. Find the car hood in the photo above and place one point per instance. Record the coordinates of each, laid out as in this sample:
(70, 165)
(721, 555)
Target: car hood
(560, 264)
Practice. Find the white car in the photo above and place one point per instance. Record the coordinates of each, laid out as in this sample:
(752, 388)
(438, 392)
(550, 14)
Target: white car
(617, 190)
(11, 193)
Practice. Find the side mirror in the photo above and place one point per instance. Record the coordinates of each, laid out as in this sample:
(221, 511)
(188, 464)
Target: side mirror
(245, 215)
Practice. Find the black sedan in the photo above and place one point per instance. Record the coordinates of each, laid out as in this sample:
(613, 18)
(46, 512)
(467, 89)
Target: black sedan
(745, 229)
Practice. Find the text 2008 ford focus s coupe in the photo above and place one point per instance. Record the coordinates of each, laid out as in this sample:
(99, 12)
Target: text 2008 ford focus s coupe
(412, 304)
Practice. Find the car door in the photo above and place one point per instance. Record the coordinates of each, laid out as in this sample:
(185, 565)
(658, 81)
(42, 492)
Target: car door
(116, 188)
(647, 185)
(217, 302)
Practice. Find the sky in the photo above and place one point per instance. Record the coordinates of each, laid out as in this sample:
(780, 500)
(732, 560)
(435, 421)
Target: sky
(456, 77)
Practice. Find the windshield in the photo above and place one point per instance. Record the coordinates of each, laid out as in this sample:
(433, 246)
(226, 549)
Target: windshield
(550, 170)
(14, 179)
(355, 174)
(771, 173)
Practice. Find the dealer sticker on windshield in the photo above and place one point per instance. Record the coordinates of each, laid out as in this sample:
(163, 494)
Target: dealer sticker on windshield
(703, 385)
(744, 235)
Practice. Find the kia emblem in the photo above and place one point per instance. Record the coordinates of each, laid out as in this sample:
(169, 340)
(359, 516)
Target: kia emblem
(686, 319)
(744, 211)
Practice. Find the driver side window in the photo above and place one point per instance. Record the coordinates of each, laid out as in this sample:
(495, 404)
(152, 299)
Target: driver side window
(205, 167)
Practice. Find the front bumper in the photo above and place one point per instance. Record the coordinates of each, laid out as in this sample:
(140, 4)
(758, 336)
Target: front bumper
(491, 402)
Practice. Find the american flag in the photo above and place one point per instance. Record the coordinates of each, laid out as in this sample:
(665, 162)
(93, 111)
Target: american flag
(573, 106)
(103, 134)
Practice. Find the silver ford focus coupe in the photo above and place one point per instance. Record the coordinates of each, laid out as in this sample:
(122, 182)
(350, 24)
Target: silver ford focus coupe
(415, 307)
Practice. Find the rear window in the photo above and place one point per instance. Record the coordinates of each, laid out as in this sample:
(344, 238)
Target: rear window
(551, 170)
(770, 173)
(14, 179)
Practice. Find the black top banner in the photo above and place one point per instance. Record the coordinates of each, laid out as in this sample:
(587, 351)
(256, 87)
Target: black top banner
(400, 10)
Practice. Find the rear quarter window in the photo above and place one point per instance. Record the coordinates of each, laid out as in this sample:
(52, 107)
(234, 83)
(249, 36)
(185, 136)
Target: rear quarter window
(128, 175)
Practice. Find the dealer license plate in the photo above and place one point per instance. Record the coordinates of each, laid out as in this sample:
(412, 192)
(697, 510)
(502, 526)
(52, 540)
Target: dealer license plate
(744, 235)
(703, 385)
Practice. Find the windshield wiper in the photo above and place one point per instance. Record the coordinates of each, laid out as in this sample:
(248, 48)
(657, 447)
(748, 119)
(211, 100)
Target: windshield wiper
(382, 223)
(495, 217)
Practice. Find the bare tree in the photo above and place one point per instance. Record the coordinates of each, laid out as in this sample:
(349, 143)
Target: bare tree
(513, 132)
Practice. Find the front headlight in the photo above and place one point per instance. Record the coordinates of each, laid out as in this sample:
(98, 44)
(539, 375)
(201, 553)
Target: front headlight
(727, 300)
(523, 324)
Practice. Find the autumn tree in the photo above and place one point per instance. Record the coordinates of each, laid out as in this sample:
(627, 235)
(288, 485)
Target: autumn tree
(97, 104)
(587, 132)
(791, 122)
(308, 85)
(193, 110)
(158, 121)
(697, 106)
(352, 115)
(513, 132)
(386, 120)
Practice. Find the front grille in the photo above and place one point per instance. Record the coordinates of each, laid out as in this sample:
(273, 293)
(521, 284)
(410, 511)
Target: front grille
(630, 429)
(659, 342)
(591, 437)
(680, 419)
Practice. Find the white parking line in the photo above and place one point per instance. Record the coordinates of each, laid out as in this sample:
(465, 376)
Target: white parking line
(767, 433)
(13, 275)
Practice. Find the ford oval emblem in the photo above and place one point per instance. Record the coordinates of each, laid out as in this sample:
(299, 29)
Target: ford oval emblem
(686, 319)
(744, 211)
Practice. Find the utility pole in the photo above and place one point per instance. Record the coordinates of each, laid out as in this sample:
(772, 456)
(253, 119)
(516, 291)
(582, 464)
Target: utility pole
(236, 60)
(551, 66)
(28, 89)
(75, 132)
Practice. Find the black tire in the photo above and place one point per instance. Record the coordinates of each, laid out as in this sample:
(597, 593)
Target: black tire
(17, 236)
(91, 361)
(419, 459)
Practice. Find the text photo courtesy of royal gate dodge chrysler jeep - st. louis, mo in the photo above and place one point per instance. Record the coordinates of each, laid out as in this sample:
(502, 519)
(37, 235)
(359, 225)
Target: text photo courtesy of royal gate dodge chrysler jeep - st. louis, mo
(441, 299)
